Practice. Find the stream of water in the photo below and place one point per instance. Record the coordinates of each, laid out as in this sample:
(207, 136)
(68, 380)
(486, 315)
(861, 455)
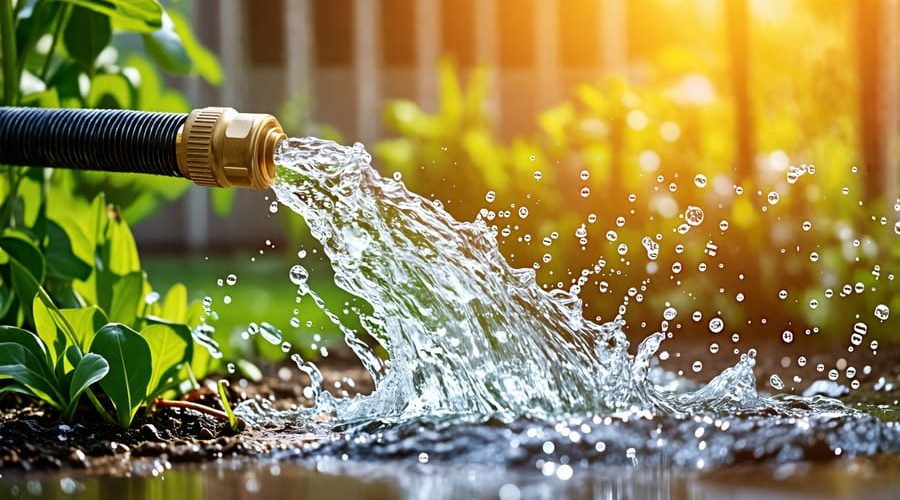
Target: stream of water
(487, 366)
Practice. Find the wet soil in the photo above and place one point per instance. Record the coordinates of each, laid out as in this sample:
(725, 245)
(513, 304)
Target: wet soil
(32, 438)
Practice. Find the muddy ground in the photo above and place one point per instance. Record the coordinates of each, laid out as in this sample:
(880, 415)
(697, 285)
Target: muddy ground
(31, 437)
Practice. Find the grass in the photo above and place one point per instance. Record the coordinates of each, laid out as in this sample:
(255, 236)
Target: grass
(262, 293)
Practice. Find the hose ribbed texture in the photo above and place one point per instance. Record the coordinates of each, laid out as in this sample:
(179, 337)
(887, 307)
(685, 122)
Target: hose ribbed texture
(91, 139)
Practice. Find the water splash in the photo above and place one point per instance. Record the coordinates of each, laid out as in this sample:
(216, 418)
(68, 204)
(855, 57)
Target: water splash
(468, 335)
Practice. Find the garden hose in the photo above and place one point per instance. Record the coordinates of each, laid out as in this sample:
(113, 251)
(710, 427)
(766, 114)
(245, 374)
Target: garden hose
(215, 147)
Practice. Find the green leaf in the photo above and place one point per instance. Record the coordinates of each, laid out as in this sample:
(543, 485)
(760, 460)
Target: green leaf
(27, 269)
(205, 63)
(86, 321)
(88, 370)
(87, 33)
(130, 368)
(167, 48)
(23, 359)
(223, 396)
(61, 261)
(110, 91)
(142, 16)
(127, 292)
(46, 328)
(167, 350)
(175, 304)
(120, 249)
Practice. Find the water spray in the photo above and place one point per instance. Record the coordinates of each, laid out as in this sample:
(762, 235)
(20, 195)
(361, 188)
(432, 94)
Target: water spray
(213, 147)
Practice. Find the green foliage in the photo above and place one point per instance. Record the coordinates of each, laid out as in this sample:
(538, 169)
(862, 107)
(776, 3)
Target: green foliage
(33, 370)
(82, 69)
(130, 368)
(680, 121)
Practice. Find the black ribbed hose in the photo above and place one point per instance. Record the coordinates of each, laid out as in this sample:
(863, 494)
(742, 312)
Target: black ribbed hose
(91, 139)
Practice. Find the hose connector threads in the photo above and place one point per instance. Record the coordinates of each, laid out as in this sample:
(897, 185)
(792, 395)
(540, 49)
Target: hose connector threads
(220, 147)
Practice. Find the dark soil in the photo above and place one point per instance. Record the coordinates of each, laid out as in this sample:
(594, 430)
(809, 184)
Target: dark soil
(31, 437)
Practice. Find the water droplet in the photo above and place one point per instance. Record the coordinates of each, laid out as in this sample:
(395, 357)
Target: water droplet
(231, 279)
(807, 225)
(882, 312)
(584, 175)
(397, 176)
(230, 368)
(787, 336)
(700, 181)
(782, 294)
(523, 212)
(623, 249)
(490, 196)
(273, 207)
(773, 198)
(270, 333)
(423, 458)
(299, 275)
(716, 325)
(538, 175)
(723, 225)
(697, 366)
(693, 215)
(714, 348)
(585, 192)
(814, 257)
(612, 235)
(776, 382)
(670, 313)
(285, 347)
(226, 299)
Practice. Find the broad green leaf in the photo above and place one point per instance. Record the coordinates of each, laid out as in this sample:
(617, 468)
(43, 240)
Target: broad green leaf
(121, 250)
(61, 261)
(175, 304)
(24, 367)
(45, 324)
(31, 342)
(205, 63)
(167, 350)
(167, 48)
(87, 33)
(7, 297)
(27, 268)
(142, 16)
(130, 368)
(88, 370)
(86, 321)
(46, 99)
(110, 91)
(127, 293)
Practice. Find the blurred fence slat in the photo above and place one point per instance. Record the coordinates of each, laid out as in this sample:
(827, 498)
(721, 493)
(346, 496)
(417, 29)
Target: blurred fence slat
(485, 13)
(546, 50)
(613, 34)
(428, 36)
(298, 28)
(367, 62)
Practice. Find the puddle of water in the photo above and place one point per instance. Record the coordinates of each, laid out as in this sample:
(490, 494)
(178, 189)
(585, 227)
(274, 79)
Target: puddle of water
(867, 478)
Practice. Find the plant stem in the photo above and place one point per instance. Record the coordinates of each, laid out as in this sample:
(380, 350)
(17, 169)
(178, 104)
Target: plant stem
(99, 407)
(62, 19)
(219, 414)
(8, 42)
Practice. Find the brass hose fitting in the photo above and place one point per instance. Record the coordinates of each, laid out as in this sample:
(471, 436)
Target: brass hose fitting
(220, 147)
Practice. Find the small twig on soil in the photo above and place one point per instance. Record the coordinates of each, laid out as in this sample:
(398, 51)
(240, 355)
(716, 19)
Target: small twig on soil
(219, 414)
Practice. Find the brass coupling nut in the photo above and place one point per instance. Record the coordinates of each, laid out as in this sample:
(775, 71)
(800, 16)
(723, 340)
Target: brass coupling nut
(220, 147)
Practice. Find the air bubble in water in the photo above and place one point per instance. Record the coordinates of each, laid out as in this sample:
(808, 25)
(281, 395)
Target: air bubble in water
(700, 181)
(693, 215)
(776, 382)
(882, 312)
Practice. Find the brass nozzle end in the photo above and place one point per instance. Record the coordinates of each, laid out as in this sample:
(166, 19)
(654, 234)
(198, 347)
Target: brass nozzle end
(219, 147)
